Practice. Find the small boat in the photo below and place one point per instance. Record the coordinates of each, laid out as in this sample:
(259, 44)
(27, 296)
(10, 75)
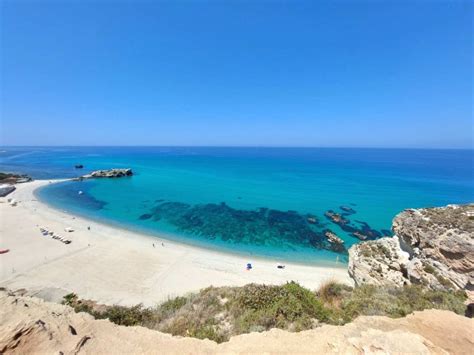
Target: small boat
(4, 251)
(79, 166)
(80, 192)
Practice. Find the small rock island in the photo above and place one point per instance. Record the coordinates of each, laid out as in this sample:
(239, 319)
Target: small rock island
(112, 173)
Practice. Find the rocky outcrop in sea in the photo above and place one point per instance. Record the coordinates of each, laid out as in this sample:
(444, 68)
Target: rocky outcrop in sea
(433, 247)
(112, 173)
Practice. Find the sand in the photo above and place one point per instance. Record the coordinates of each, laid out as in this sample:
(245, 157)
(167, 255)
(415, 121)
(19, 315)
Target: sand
(116, 266)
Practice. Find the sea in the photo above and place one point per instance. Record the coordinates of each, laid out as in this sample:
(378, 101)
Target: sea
(277, 203)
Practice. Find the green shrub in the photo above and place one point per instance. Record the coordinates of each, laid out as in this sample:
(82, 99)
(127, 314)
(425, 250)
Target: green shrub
(70, 299)
(219, 313)
(127, 316)
(332, 291)
(174, 304)
(287, 307)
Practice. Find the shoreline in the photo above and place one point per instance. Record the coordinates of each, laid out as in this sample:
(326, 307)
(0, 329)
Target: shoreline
(113, 265)
(159, 236)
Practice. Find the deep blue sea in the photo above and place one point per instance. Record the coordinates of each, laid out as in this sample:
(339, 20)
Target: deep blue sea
(271, 202)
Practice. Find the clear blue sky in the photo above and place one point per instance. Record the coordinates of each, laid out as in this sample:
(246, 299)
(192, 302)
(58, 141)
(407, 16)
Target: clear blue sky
(260, 73)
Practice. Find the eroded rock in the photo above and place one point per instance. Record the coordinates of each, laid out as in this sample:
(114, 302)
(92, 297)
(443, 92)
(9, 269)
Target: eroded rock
(433, 247)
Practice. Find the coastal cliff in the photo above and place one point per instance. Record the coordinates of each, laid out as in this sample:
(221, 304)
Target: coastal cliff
(30, 325)
(432, 247)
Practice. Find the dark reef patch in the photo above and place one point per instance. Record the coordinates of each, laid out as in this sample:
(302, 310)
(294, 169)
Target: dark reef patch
(145, 216)
(260, 227)
(77, 191)
(91, 202)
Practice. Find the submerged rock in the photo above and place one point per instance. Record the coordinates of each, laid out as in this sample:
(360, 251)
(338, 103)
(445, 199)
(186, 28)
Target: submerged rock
(362, 232)
(433, 247)
(145, 216)
(347, 209)
(333, 238)
(335, 243)
(336, 217)
(359, 235)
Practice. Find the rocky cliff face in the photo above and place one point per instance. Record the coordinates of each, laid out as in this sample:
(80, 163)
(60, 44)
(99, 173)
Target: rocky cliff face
(30, 325)
(380, 262)
(433, 247)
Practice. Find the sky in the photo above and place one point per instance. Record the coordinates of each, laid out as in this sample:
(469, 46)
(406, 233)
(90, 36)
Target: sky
(237, 73)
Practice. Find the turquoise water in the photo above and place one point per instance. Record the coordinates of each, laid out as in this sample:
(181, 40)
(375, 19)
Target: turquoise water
(261, 201)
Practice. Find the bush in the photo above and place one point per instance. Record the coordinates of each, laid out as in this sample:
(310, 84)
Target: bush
(331, 291)
(398, 302)
(219, 313)
(127, 316)
(174, 304)
(287, 307)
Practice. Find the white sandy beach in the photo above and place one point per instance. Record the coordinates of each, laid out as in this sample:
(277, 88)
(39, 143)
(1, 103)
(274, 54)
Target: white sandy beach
(117, 266)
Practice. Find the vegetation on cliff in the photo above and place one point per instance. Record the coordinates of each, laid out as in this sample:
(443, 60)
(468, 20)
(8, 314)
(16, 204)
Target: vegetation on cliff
(219, 313)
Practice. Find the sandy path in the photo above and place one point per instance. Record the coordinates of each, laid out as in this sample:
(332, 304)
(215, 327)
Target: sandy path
(117, 266)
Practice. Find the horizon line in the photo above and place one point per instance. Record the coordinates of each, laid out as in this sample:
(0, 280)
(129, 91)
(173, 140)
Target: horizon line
(232, 146)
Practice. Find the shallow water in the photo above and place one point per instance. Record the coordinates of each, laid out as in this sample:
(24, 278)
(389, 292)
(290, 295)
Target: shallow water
(261, 201)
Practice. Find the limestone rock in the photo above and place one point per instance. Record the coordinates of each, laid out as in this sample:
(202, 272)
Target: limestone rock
(380, 262)
(444, 238)
(433, 247)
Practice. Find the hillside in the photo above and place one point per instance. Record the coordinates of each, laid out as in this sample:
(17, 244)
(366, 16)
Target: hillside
(30, 325)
